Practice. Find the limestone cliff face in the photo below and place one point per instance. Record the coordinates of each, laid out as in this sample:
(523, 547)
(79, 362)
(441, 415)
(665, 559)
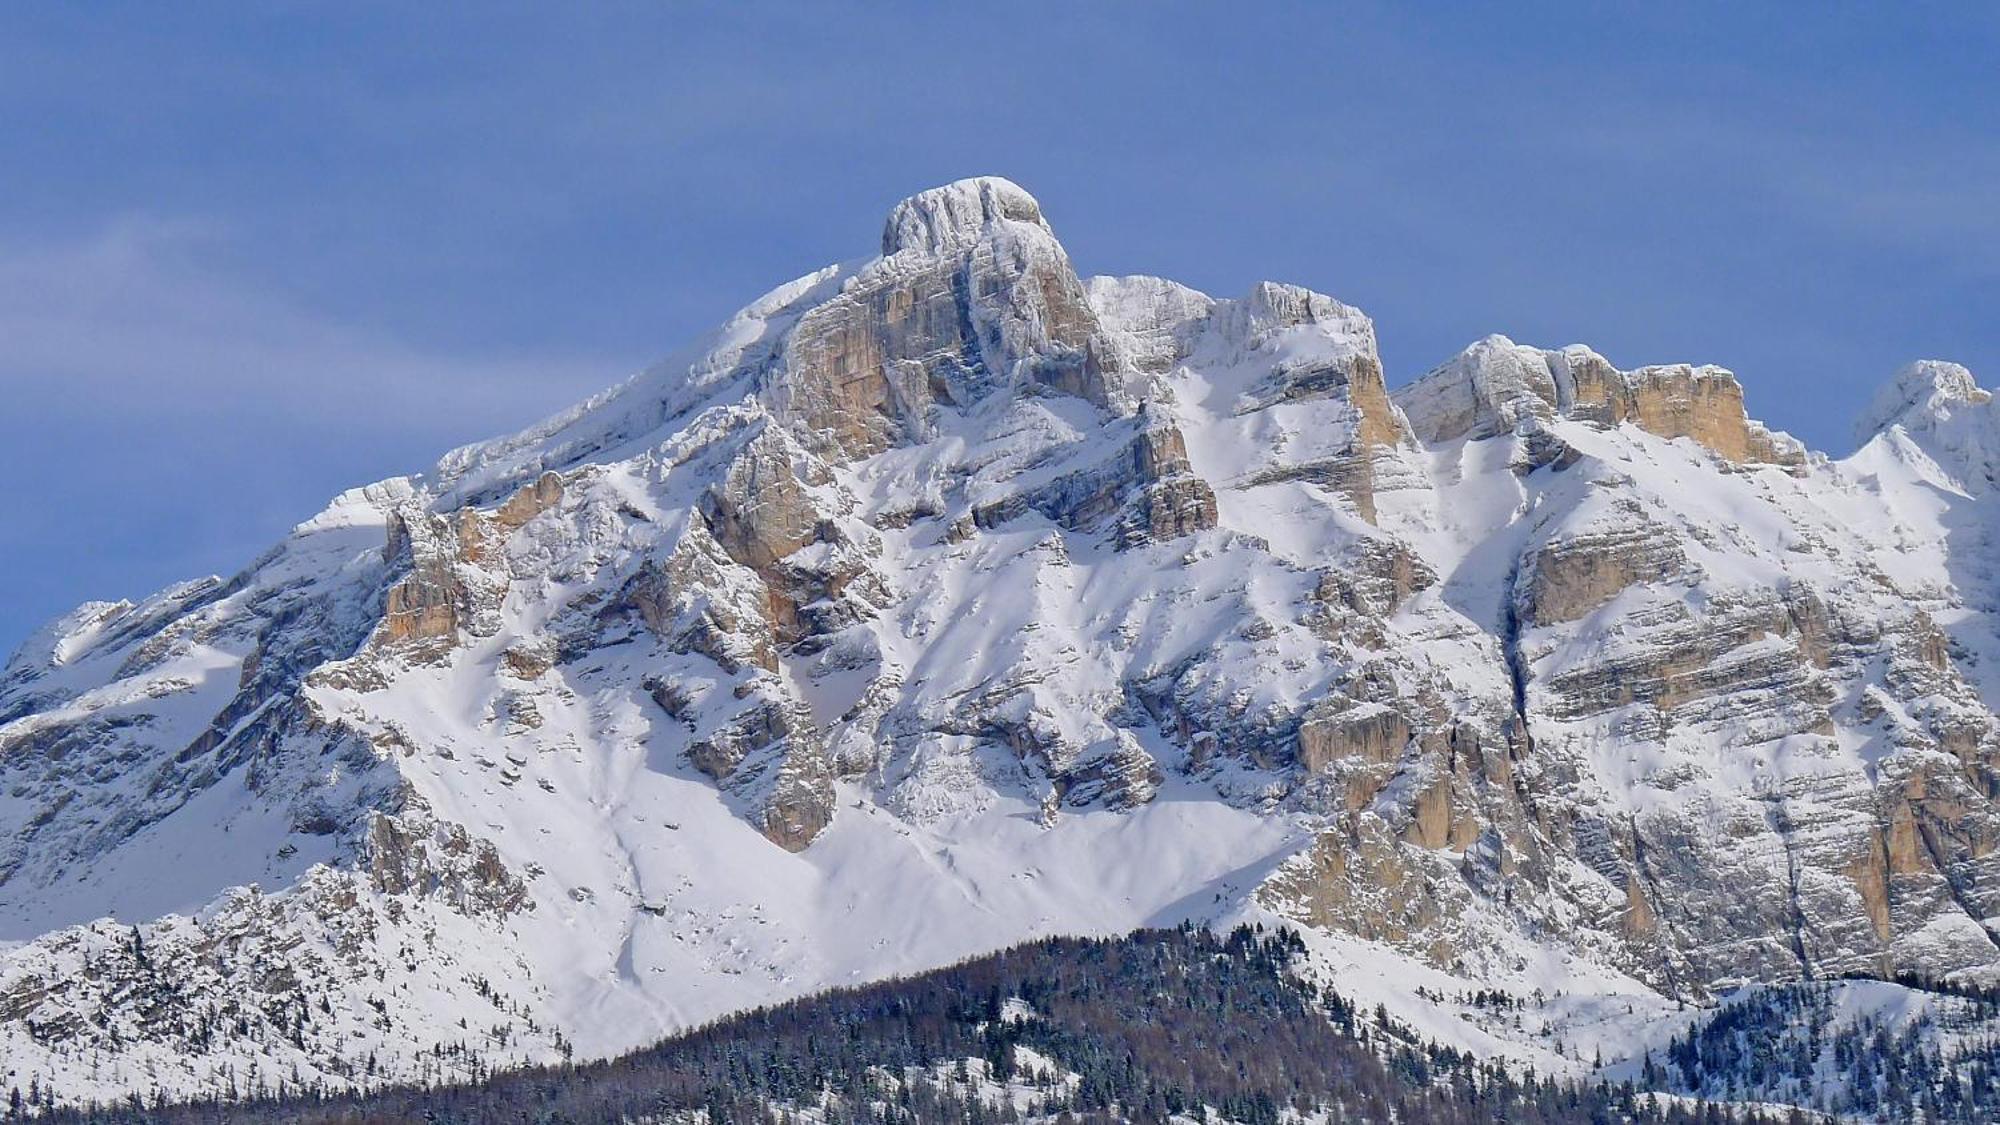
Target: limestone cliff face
(449, 563)
(1576, 573)
(1272, 317)
(1147, 490)
(972, 293)
(774, 502)
(951, 580)
(1289, 353)
(1486, 391)
(415, 854)
(1704, 403)
(1497, 386)
(1677, 777)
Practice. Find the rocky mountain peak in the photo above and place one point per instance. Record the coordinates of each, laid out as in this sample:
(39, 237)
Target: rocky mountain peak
(958, 213)
(1275, 305)
(972, 294)
(1483, 391)
(1496, 386)
(942, 599)
(1919, 395)
(1934, 415)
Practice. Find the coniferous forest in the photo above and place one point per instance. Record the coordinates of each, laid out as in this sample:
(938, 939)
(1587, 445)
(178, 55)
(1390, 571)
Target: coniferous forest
(1144, 1028)
(1791, 1043)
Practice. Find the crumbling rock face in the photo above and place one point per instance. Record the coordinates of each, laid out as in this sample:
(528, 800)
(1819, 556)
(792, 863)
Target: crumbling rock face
(768, 753)
(972, 293)
(454, 570)
(1148, 491)
(1168, 509)
(1115, 772)
(760, 729)
(1365, 882)
(1497, 387)
(698, 600)
(1353, 749)
(1428, 889)
(414, 853)
(1018, 575)
(1374, 581)
(764, 508)
(529, 502)
(1702, 681)
(1724, 665)
(1573, 576)
(778, 512)
(798, 804)
(1625, 800)
(757, 740)
(430, 602)
(1375, 734)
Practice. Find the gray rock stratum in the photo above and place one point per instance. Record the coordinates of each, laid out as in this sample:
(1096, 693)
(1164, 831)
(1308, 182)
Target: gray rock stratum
(944, 599)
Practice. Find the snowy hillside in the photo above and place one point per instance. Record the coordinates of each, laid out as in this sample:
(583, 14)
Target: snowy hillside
(1182, 1026)
(941, 600)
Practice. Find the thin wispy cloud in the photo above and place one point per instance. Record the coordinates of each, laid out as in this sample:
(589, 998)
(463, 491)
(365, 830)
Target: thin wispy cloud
(138, 320)
(166, 417)
(297, 248)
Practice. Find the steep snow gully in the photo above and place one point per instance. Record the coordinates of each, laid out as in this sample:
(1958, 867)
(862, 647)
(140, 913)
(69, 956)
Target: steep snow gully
(943, 599)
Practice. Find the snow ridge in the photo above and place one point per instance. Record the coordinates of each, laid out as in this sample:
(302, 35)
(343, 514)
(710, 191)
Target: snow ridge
(944, 599)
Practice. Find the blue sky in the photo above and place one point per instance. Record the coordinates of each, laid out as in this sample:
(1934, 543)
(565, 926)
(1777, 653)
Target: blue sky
(248, 259)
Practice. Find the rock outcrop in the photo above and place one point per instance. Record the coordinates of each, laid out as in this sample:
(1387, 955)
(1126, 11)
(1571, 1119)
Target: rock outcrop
(1497, 386)
(972, 293)
(946, 599)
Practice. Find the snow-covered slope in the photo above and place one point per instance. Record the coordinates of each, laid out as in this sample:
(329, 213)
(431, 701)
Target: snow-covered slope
(943, 599)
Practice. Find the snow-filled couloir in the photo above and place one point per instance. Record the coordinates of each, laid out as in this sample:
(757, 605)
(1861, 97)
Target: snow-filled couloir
(943, 599)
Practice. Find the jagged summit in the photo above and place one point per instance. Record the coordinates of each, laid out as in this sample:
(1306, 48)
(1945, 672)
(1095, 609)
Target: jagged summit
(1935, 418)
(947, 217)
(1485, 390)
(971, 292)
(941, 599)
(1920, 395)
(1496, 386)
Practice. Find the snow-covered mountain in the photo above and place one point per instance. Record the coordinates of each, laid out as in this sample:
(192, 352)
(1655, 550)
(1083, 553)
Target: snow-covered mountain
(944, 599)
